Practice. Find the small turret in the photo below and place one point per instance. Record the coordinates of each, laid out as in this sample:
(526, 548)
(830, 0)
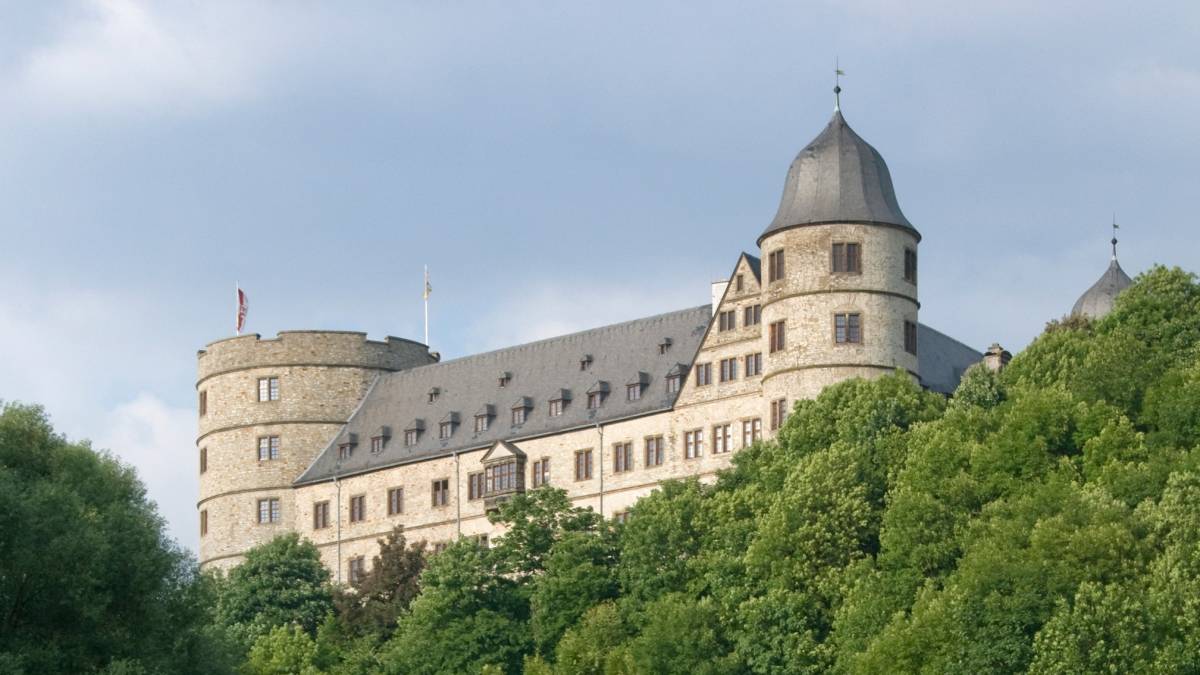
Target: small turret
(1098, 300)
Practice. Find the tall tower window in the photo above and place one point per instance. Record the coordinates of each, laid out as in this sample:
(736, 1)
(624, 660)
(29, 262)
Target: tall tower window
(910, 265)
(203, 522)
(778, 337)
(268, 389)
(203, 402)
(775, 266)
(268, 510)
(847, 258)
(203, 460)
(910, 337)
(268, 448)
(847, 328)
(778, 413)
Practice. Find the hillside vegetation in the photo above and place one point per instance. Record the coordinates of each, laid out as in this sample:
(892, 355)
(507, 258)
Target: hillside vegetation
(1045, 520)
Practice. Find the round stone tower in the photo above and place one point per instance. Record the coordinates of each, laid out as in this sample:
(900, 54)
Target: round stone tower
(267, 408)
(839, 271)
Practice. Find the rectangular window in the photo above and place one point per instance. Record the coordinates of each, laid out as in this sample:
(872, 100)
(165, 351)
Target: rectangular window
(203, 460)
(703, 374)
(358, 508)
(846, 258)
(621, 516)
(673, 383)
(268, 389)
(754, 364)
(778, 413)
(395, 501)
(739, 283)
(268, 448)
(655, 453)
(752, 316)
(203, 403)
(268, 510)
(778, 337)
(320, 515)
(727, 320)
(622, 457)
(540, 474)
(583, 465)
(345, 450)
(594, 400)
(439, 546)
(501, 477)
(910, 265)
(475, 485)
(410, 437)
(910, 337)
(633, 392)
(751, 431)
(481, 423)
(481, 540)
(358, 569)
(445, 430)
(440, 492)
(775, 266)
(377, 443)
(556, 408)
(847, 328)
(693, 443)
(729, 369)
(518, 416)
(203, 522)
(721, 439)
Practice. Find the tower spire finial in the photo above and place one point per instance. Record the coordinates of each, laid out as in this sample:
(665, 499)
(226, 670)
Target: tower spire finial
(837, 85)
(1115, 227)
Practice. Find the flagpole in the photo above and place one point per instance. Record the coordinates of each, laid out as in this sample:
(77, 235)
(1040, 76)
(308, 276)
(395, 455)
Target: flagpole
(425, 294)
(237, 307)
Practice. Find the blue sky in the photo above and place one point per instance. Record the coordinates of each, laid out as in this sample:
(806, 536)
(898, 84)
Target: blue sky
(557, 166)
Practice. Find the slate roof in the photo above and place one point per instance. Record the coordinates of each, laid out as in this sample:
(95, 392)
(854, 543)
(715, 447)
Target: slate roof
(942, 359)
(540, 371)
(1098, 300)
(547, 370)
(837, 178)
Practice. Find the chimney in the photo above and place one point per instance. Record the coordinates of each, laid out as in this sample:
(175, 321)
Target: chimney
(718, 292)
(996, 357)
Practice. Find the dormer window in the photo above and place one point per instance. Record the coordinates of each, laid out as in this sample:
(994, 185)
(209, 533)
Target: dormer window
(520, 410)
(673, 382)
(558, 402)
(664, 346)
(634, 387)
(596, 395)
(481, 423)
(345, 449)
(412, 433)
(483, 418)
(379, 440)
(585, 362)
(505, 377)
(433, 394)
(446, 426)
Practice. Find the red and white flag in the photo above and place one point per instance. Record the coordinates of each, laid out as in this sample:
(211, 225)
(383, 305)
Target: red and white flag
(242, 306)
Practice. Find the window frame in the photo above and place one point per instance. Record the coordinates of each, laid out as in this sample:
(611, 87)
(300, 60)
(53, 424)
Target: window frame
(778, 336)
(910, 337)
(358, 508)
(539, 473)
(654, 451)
(910, 265)
(269, 387)
(320, 515)
(703, 374)
(622, 457)
(395, 497)
(272, 448)
(439, 491)
(693, 444)
(775, 266)
(846, 258)
(722, 438)
(583, 465)
(273, 513)
(842, 335)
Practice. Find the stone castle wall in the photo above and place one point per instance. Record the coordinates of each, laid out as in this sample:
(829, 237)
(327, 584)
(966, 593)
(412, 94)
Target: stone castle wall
(322, 377)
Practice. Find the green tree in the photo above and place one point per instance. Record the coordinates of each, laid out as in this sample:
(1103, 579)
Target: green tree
(533, 522)
(281, 583)
(580, 572)
(88, 579)
(376, 602)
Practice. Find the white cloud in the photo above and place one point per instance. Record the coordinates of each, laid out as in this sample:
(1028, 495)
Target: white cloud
(121, 55)
(158, 440)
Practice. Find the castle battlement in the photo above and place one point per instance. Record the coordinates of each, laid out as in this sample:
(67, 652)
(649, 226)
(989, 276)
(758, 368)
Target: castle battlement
(328, 348)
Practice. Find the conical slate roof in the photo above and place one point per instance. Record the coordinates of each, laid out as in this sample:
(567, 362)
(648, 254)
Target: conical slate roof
(838, 178)
(1098, 300)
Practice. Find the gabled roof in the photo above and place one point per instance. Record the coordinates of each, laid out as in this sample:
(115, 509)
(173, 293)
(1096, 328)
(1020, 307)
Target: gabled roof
(755, 266)
(537, 368)
(942, 359)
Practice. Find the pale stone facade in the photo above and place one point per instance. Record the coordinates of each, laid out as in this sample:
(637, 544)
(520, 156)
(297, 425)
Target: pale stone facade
(325, 378)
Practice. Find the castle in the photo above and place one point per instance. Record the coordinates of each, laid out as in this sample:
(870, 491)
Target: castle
(341, 438)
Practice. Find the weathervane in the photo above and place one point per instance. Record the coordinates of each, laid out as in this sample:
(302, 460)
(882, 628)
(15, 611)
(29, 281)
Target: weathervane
(837, 85)
(1115, 227)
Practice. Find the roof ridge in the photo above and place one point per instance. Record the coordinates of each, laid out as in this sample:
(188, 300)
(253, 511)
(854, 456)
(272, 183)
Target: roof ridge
(535, 343)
